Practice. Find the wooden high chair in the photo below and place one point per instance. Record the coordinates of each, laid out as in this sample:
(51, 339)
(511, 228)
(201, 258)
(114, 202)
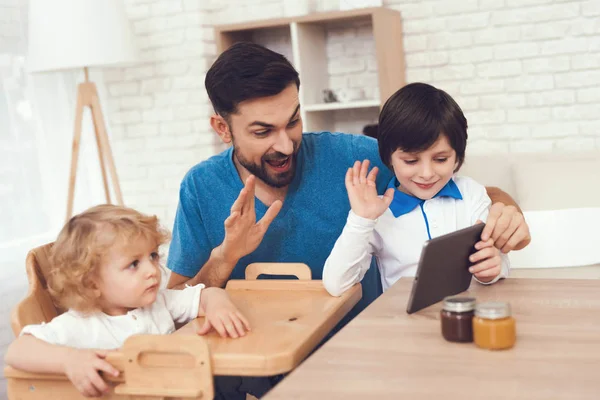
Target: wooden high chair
(152, 366)
(289, 319)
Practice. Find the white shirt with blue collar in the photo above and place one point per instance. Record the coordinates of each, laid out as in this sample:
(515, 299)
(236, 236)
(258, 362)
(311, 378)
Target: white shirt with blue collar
(397, 237)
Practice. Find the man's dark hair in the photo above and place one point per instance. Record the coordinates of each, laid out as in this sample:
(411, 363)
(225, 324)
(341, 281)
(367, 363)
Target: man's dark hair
(415, 116)
(247, 71)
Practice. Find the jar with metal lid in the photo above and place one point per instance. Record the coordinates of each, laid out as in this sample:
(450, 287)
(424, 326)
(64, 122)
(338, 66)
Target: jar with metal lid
(494, 327)
(456, 317)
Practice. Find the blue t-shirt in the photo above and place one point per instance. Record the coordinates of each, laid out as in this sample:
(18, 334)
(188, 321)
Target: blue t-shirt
(313, 215)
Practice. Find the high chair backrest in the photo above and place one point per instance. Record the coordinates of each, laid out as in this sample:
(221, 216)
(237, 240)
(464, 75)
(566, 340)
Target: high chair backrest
(38, 306)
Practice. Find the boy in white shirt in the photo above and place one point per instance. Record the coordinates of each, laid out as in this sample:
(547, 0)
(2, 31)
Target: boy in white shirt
(106, 272)
(422, 137)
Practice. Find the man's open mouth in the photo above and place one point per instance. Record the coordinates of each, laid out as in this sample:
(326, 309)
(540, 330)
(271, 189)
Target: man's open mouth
(280, 164)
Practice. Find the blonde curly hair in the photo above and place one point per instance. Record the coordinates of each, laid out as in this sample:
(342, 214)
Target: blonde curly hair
(78, 250)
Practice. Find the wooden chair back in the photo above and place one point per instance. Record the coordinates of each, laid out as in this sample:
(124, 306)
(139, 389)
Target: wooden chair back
(37, 306)
(299, 270)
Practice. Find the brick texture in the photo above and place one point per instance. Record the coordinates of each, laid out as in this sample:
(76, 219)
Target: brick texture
(524, 72)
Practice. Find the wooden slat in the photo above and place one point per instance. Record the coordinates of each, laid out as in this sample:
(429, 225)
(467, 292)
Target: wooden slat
(277, 285)
(169, 370)
(387, 31)
(44, 389)
(299, 270)
(322, 17)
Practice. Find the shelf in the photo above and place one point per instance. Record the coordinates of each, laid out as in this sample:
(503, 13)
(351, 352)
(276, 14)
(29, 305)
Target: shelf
(310, 18)
(342, 106)
(337, 50)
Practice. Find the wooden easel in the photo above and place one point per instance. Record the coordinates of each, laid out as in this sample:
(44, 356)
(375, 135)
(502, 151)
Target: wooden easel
(87, 96)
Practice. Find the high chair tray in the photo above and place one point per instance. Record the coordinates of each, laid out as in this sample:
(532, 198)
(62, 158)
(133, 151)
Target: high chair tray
(289, 318)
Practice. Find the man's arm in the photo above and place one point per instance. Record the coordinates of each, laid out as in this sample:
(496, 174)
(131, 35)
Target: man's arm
(215, 273)
(242, 236)
(505, 223)
(497, 195)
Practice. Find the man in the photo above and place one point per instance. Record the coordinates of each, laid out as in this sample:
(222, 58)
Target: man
(294, 182)
(254, 92)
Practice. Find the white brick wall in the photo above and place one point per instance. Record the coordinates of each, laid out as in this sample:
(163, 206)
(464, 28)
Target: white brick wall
(524, 71)
(158, 109)
(526, 76)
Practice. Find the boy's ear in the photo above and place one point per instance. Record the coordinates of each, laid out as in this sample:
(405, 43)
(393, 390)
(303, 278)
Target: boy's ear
(221, 126)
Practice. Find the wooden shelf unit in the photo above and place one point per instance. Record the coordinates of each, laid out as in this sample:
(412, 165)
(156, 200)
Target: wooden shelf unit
(304, 41)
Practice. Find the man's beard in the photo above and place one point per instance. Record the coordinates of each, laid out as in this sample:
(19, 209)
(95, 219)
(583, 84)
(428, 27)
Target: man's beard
(277, 180)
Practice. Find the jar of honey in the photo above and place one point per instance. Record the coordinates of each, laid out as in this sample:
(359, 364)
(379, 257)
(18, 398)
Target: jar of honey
(456, 317)
(494, 327)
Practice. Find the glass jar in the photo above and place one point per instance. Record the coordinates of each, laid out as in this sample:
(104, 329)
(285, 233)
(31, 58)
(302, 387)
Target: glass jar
(493, 326)
(456, 317)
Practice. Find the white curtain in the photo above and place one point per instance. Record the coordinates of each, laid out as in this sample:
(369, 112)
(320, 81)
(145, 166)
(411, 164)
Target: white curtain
(36, 129)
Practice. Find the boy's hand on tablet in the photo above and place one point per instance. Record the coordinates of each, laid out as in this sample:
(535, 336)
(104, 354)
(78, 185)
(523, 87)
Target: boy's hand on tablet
(362, 191)
(487, 263)
(221, 314)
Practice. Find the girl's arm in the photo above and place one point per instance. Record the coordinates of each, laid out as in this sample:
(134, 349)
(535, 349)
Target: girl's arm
(31, 354)
(81, 366)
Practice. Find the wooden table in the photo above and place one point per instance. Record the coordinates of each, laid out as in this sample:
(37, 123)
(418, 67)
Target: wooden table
(385, 353)
(289, 318)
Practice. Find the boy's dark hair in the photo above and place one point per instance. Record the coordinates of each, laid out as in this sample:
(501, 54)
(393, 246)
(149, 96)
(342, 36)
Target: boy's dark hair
(415, 116)
(247, 71)
(370, 130)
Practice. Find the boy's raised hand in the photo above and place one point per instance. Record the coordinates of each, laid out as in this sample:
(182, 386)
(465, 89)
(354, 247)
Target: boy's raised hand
(242, 233)
(82, 368)
(362, 191)
(221, 314)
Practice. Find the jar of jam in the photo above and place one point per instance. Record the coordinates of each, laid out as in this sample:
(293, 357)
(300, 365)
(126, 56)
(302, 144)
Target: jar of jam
(456, 317)
(493, 326)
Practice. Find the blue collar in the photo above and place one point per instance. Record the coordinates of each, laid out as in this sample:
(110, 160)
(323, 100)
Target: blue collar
(404, 203)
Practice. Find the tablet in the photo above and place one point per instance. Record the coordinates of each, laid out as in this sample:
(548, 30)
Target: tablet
(444, 267)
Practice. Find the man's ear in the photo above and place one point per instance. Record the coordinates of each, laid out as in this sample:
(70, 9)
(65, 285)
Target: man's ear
(221, 126)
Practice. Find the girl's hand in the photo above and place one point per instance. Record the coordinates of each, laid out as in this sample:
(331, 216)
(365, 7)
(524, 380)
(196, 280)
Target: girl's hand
(362, 191)
(82, 368)
(221, 314)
